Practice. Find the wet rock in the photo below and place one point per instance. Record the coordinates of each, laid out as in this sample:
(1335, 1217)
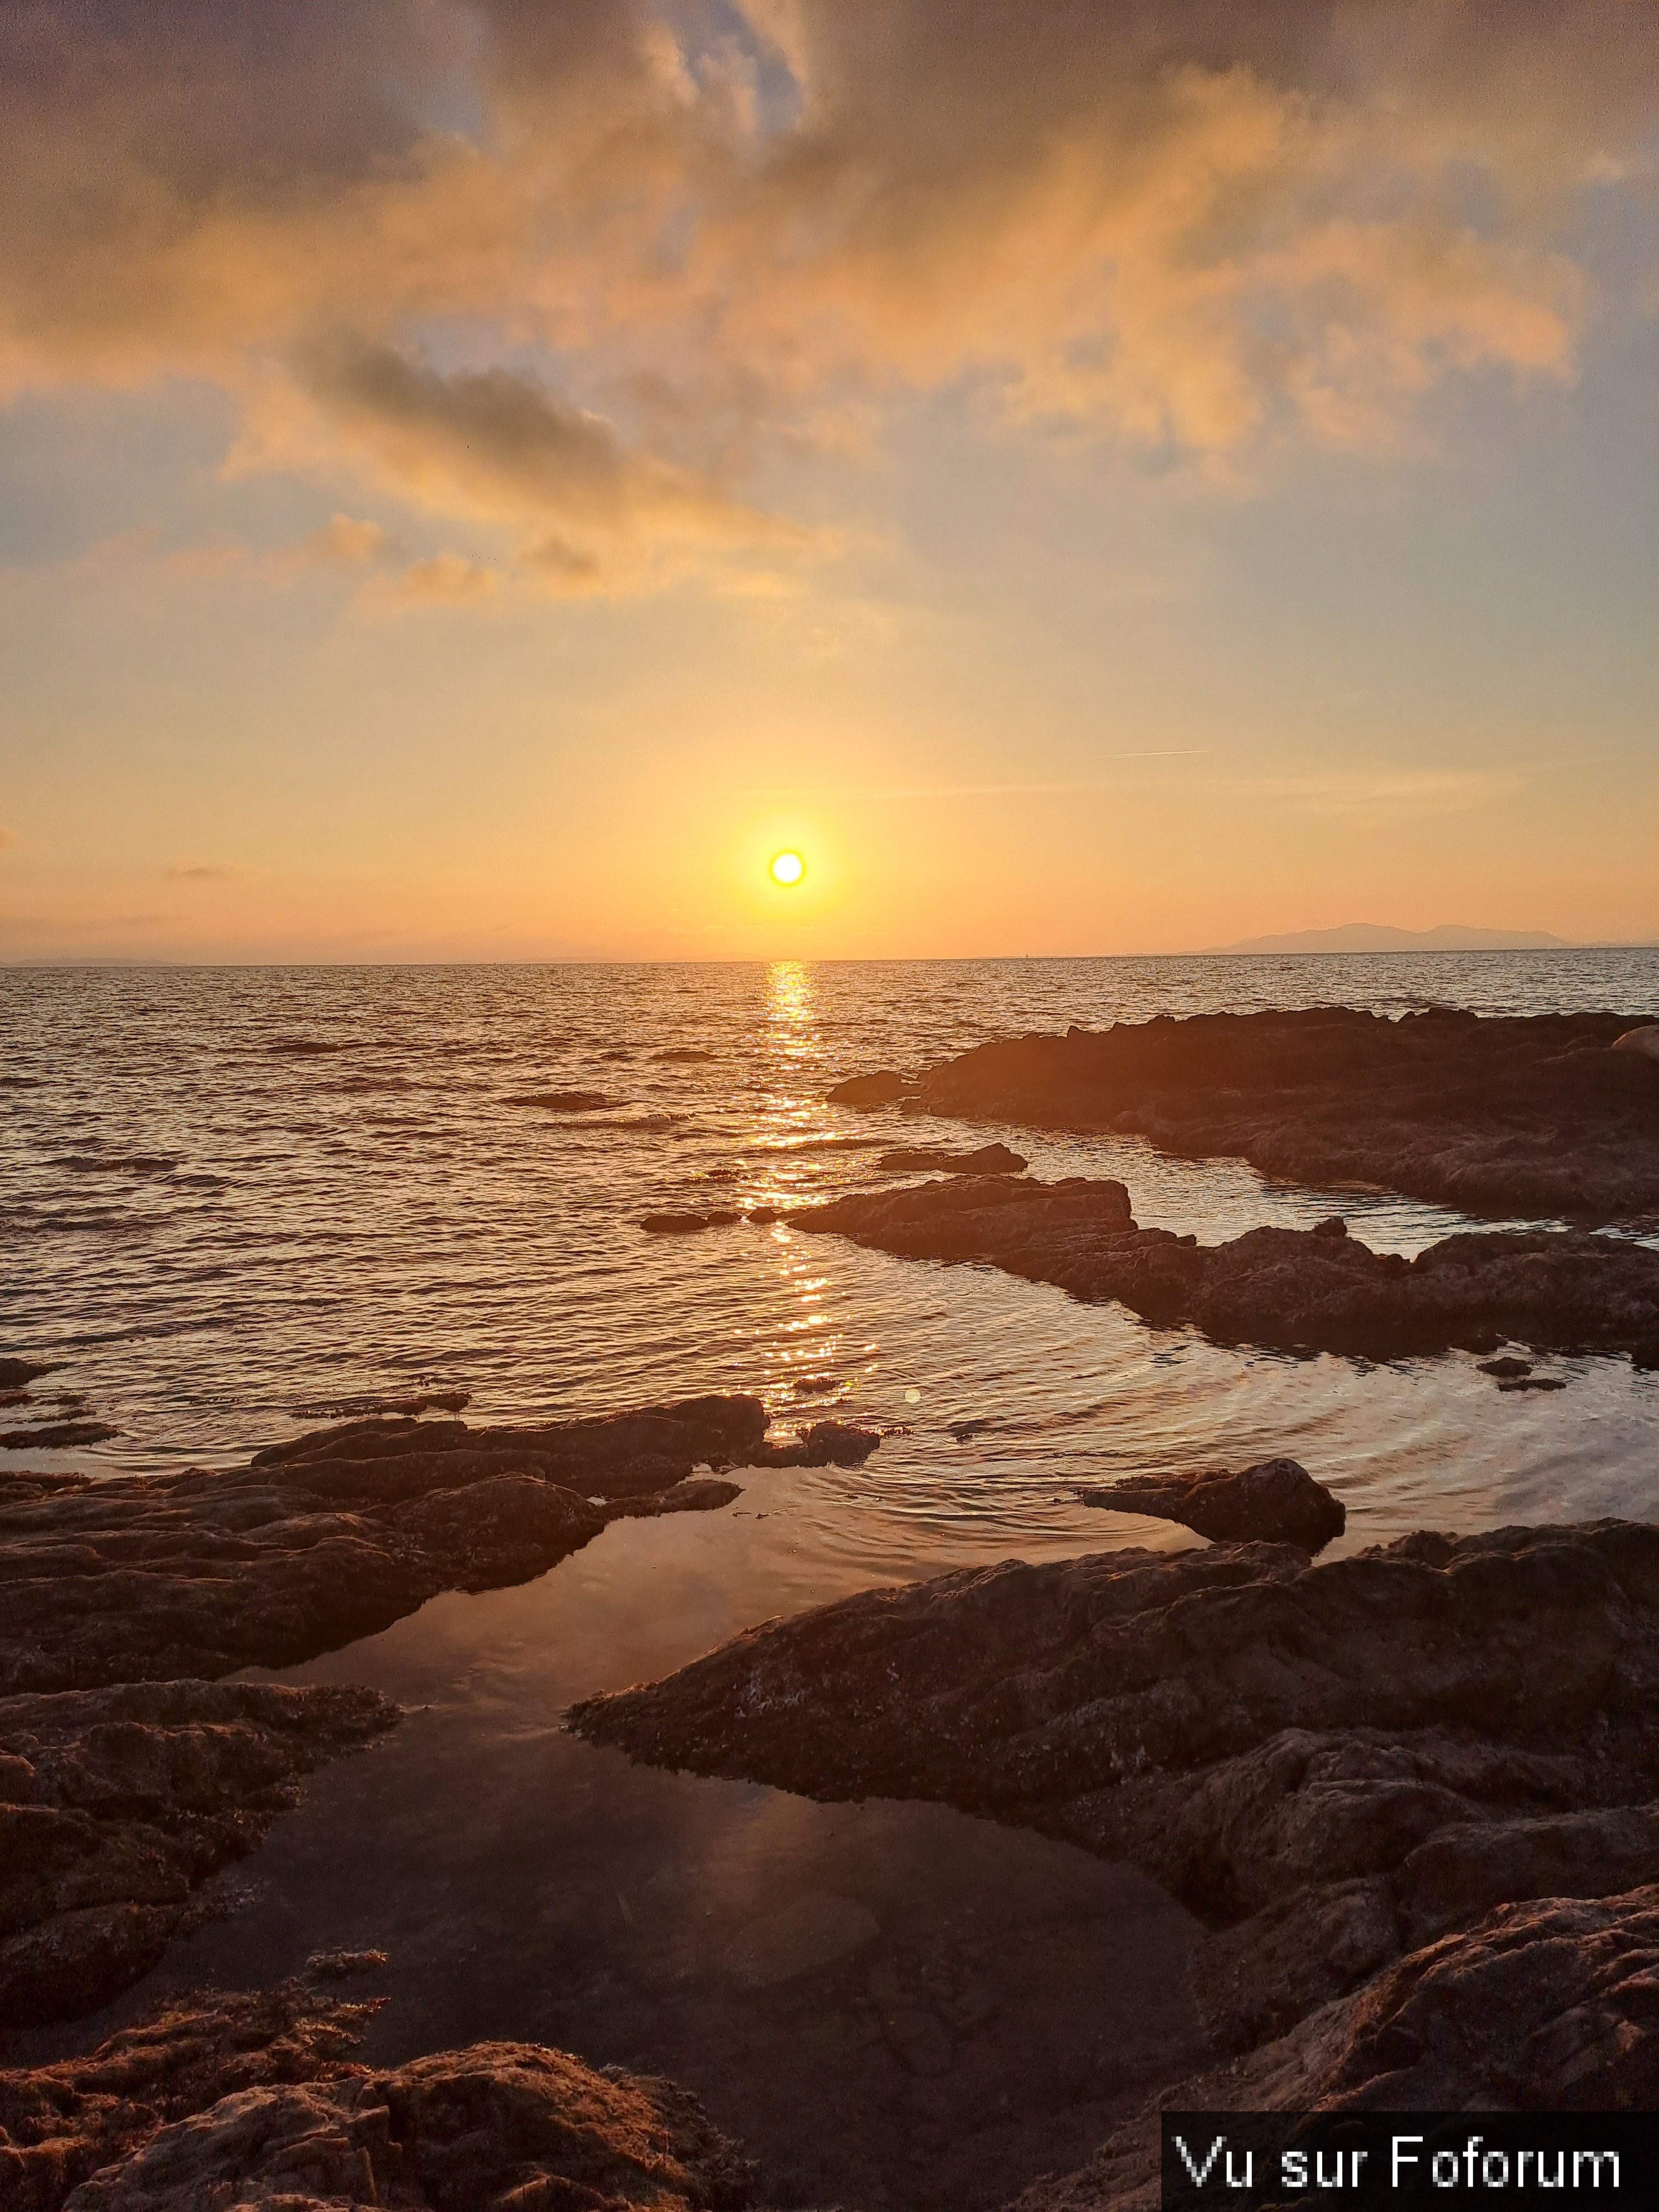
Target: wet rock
(1533, 1382)
(1332, 1225)
(55, 1436)
(689, 1224)
(566, 1102)
(1530, 1116)
(1507, 1369)
(15, 1373)
(1545, 2007)
(762, 1215)
(1644, 1040)
(327, 1537)
(883, 1088)
(117, 1805)
(343, 1965)
(1271, 1740)
(686, 1056)
(935, 1159)
(1276, 1502)
(253, 2099)
(1293, 1289)
(357, 1409)
(826, 1443)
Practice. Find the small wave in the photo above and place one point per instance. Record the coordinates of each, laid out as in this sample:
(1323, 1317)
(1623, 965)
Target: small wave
(126, 1163)
(567, 1101)
(630, 1125)
(817, 1145)
(306, 1048)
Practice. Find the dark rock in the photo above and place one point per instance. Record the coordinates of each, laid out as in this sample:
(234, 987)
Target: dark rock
(1507, 1369)
(357, 1409)
(566, 1102)
(323, 1540)
(879, 1090)
(1278, 1743)
(251, 2098)
(15, 1373)
(1276, 1502)
(1644, 1040)
(826, 1443)
(1542, 2006)
(683, 1224)
(687, 1056)
(1535, 1382)
(1290, 1288)
(1332, 1225)
(55, 1436)
(343, 1965)
(929, 1159)
(116, 1805)
(1531, 1115)
(761, 1215)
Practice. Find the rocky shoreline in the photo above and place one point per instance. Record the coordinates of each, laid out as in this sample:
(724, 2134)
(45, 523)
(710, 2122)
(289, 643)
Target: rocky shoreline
(340, 1533)
(1538, 1117)
(252, 2097)
(1294, 1290)
(1412, 1794)
(118, 1805)
(1355, 1772)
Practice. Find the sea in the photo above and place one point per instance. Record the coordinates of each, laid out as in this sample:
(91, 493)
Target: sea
(238, 1203)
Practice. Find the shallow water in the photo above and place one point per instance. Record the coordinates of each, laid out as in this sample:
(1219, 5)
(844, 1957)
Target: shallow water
(222, 1241)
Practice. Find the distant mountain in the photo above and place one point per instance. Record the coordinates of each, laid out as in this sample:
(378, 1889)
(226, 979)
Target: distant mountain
(1376, 936)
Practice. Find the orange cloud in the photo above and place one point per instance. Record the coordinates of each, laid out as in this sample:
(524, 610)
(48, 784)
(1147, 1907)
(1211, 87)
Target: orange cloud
(1204, 226)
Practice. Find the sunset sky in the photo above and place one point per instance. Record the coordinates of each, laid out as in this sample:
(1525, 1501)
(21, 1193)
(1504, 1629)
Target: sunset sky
(479, 477)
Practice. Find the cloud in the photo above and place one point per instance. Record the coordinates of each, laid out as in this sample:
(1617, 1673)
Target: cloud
(445, 579)
(343, 542)
(204, 875)
(581, 272)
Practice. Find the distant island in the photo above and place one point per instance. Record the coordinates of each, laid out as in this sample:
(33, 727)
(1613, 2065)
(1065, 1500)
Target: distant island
(1376, 936)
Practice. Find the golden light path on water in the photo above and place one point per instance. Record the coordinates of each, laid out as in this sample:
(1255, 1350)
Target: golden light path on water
(239, 1199)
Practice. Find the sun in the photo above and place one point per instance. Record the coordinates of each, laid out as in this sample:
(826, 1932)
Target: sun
(787, 869)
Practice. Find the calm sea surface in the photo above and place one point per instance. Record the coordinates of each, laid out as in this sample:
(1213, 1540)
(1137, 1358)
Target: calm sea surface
(225, 1236)
(225, 1233)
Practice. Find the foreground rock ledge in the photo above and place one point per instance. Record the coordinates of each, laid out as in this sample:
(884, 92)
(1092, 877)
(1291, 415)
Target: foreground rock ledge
(1535, 1115)
(117, 1805)
(1334, 1764)
(1290, 1288)
(250, 2097)
(333, 1536)
(1544, 2007)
